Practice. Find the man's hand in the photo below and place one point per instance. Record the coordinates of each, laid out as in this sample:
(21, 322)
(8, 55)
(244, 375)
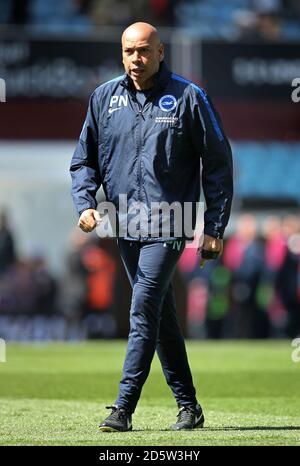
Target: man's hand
(210, 244)
(88, 220)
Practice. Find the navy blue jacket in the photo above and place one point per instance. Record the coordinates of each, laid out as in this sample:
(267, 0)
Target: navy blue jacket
(152, 152)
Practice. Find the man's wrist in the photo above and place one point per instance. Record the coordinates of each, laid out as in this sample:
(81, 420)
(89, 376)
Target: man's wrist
(86, 208)
(214, 233)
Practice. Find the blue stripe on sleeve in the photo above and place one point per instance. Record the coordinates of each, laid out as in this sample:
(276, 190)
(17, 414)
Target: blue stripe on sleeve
(205, 100)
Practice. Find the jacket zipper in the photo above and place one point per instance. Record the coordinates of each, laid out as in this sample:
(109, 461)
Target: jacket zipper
(140, 116)
(139, 138)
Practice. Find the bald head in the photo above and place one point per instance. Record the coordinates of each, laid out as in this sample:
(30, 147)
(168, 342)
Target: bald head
(141, 31)
(142, 53)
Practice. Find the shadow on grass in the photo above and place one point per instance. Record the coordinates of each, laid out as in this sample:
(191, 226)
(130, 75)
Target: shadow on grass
(236, 428)
(222, 429)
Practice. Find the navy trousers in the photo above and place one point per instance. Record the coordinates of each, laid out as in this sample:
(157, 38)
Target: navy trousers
(153, 322)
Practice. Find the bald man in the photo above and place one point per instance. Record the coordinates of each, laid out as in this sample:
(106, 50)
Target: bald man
(144, 137)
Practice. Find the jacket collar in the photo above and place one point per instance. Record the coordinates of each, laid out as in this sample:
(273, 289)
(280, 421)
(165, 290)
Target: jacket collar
(161, 79)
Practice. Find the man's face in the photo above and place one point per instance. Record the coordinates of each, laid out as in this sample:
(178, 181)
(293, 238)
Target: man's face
(141, 59)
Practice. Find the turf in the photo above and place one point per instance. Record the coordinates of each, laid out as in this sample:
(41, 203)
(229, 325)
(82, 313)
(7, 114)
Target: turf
(55, 394)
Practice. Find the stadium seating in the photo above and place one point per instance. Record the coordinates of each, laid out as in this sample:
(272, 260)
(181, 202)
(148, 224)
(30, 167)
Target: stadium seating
(267, 170)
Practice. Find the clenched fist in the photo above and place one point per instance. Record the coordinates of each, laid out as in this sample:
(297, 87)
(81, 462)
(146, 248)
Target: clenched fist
(88, 220)
(212, 245)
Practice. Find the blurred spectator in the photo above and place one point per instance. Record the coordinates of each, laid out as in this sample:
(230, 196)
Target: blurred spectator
(7, 248)
(288, 279)
(259, 26)
(275, 252)
(198, 281)
(27, 288)
(218, 303)
(73, 284)
(275, 244)
(268, 19)
(243, 256)
(162, 12)
(87, 296)
(100, 299)
(121, 12)
(109, 12)
(46, 286)
(27, 292)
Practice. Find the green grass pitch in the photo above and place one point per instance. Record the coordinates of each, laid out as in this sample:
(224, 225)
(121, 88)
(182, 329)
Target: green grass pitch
(55, 394)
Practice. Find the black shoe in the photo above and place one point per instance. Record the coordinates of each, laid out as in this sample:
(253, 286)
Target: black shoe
(118, 421)
(189, 417)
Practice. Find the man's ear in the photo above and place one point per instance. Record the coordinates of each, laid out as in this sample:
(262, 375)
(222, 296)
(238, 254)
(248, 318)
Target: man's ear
(161, 52)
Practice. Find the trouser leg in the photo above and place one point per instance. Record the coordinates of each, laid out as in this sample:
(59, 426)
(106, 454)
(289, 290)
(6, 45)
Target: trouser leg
(150, 267)
(172, 353)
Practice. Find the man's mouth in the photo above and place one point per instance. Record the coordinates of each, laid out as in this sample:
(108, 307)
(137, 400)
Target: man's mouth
(137, 70)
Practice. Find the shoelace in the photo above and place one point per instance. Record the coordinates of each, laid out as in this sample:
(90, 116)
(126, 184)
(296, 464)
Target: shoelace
(116, 413)
(186, 414)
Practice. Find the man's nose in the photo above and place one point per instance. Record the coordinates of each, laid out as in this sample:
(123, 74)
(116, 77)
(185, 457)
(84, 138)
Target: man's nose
(136, 56)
